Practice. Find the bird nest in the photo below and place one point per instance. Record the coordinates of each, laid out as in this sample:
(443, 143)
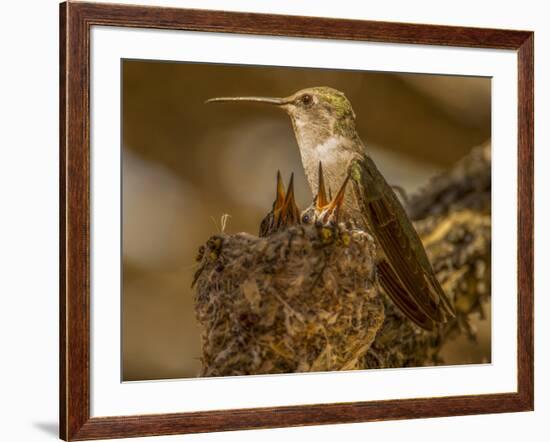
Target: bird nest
(303, 299)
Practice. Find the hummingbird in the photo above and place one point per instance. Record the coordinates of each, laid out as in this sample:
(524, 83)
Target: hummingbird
(324, 126)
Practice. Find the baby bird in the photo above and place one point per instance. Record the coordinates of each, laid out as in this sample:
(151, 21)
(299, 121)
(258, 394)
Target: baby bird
(324, 210)
(284, 211)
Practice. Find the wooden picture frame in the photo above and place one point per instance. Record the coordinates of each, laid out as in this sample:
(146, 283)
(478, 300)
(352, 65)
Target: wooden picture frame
(76, 20)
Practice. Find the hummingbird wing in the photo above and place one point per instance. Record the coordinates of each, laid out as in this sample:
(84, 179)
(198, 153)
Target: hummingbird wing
(401, 257)
(398, 294)
(405, 272)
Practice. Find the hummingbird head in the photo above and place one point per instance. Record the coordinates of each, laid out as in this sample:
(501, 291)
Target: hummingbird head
(317, 113)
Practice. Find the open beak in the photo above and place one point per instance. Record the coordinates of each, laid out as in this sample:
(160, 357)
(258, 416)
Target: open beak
(279, 198)
(321, 199)
(267, 100)
(280, 191)
(290, 214)
(335, 205)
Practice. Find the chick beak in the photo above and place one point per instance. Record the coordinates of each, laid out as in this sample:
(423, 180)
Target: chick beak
(280, 193)
(335, 205)
(290, 214)
(321, 199)
(279, 202)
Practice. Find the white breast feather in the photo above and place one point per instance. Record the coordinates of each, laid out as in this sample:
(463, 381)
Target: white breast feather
(334, 161)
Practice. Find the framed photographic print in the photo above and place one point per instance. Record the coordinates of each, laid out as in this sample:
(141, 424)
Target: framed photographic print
(273, 221)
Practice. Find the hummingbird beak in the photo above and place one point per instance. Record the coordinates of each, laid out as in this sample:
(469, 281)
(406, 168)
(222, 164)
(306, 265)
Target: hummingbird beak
(267, 100)
(321, 199)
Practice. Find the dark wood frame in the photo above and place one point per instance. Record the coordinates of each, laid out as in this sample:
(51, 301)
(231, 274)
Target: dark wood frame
(76, 20)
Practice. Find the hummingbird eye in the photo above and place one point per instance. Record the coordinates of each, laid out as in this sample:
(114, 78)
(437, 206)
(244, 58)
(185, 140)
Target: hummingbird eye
(305, 219)
(306, 99)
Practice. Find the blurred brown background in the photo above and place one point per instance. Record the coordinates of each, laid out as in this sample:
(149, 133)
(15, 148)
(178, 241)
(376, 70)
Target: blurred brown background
(185, 164)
